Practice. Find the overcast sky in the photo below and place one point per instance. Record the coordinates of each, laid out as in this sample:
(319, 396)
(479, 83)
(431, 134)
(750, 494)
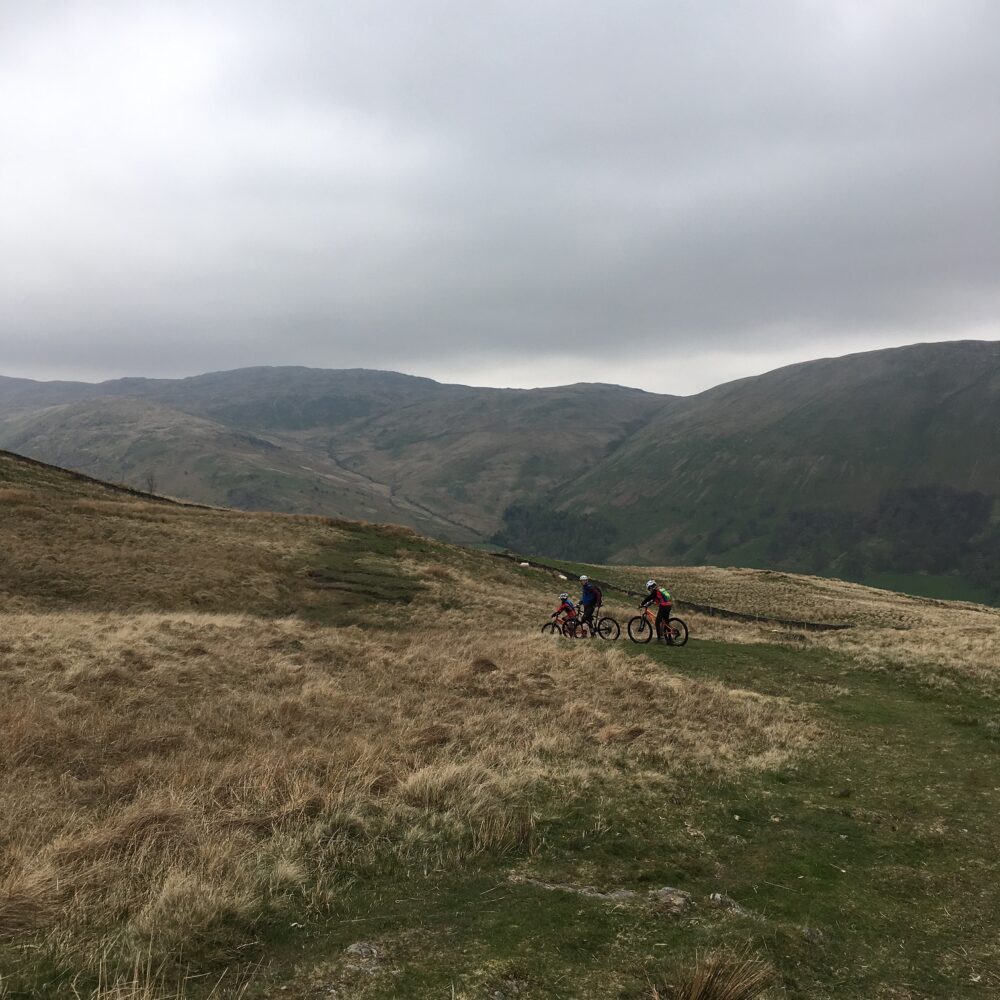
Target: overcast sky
(661, 194)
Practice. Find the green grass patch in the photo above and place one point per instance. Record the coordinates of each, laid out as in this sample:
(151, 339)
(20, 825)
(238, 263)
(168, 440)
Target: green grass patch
(361, 568)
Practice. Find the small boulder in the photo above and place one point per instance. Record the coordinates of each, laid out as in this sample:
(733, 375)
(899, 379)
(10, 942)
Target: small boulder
(671, 901)
(363, 949)
(723, 902)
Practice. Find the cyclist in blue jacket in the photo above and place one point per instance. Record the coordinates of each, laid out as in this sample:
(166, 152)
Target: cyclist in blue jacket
(591, 599)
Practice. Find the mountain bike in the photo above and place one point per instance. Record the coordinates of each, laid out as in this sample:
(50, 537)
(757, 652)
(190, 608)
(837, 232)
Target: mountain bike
(574, 628)
(642, 628)
(568, 627)
(605, 627)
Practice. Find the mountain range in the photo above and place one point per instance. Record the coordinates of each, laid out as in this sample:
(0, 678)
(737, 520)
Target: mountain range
(881, 467)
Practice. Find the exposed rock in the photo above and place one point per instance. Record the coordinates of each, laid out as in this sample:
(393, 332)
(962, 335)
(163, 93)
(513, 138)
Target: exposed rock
(668, 900)
(508, 989)
(813, 935)
(614, 896)
(723, 902)
(363, 949)
(671, 901)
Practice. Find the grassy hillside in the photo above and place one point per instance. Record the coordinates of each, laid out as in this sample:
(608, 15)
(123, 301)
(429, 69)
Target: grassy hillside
(879, 468)
(874, 463)
(151, 446)
(447, 459)
(266, 755)
(210, 758)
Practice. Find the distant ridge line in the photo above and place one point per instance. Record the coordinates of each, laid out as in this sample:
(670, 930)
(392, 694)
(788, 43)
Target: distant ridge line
(705, 609)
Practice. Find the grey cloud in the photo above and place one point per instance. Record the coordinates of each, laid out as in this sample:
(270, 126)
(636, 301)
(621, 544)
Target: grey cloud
(386, 184)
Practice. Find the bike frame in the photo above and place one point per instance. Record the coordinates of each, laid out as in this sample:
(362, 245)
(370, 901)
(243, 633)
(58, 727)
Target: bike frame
(650, 615)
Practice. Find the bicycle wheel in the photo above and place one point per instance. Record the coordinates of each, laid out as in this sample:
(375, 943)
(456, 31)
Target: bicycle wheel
(551, 628)
(574, 630)
(676, 632)
(639, 629)
(608, 628)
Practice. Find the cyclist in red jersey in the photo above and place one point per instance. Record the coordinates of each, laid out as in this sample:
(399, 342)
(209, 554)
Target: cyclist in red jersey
(566, 608)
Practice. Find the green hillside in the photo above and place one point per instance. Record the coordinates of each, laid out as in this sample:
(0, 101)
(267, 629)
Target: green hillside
(376, 445)
(880, 467)
(873, 464)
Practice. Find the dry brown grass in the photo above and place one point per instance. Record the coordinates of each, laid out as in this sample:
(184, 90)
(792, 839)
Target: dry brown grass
(127, 553)
(179, 756)
(931, 638)
(67, 545)
(720, 976)
(163, 777)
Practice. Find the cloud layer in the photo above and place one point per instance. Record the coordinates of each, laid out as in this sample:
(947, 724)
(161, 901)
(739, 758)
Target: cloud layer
(650, 193)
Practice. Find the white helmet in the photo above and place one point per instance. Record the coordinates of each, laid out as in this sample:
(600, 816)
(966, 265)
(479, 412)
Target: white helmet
(650, 583)
(584, 578)
(564, 597)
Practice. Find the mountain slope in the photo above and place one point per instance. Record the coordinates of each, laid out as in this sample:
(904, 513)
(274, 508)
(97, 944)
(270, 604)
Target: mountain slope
(376, 445)
(880, 467)
(885, 461)
(161, 449)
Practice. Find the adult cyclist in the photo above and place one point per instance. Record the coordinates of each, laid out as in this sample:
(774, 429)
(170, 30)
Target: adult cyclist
(591, 599)
(664, 605)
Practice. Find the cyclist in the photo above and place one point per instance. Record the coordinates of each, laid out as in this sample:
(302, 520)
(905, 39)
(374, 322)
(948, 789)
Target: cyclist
(591, 599)
(566, 608)
(664, 605)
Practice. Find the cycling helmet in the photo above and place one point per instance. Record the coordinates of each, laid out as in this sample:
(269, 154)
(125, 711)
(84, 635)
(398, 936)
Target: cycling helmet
(584, 578)
(564, 597)
(650, 584)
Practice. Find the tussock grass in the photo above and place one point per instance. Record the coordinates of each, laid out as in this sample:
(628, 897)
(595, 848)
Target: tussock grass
(720, 976)
(169, 781)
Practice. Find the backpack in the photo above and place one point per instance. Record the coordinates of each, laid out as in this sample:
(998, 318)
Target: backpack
(600, 596)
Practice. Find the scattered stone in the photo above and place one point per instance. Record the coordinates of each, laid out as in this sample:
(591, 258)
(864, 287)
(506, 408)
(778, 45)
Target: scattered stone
(363, 949)
(844, 793)
(614, 896)
(668, 900)
(723, 902)
(813, 935)
(508, 989)
(671, 901)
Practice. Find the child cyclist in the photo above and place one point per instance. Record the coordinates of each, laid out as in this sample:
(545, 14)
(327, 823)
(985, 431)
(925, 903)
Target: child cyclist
(566, 608)
(664, 605)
